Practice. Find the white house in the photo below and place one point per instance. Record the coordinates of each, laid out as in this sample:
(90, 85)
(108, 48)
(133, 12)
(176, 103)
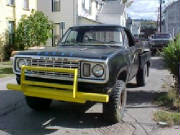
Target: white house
(66, 13)
(113, 12)
(171, 18)
(134, 26)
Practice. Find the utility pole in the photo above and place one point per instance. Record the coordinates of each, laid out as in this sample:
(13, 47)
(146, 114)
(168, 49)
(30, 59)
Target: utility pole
(160, 16)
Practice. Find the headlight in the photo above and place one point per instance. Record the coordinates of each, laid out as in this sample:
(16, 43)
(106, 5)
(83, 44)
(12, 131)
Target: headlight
(98, 70)
(20, 62)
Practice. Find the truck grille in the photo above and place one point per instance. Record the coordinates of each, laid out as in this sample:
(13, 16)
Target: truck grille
(54, 62)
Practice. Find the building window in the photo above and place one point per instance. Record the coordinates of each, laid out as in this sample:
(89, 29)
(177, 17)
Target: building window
(86, 4)
(55, 5)
(11, 27)
(56, 34)
(11, 2)
(97, 5)
(26, 4)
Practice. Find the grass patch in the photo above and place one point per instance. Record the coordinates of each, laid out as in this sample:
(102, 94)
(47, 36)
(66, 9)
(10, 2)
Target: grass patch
(171, 118)
(6, 69)
(163, 100)
(171, 100)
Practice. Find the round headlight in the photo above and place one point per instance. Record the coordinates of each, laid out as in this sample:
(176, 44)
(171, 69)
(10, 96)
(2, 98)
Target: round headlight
(98, 70)
(21, 62)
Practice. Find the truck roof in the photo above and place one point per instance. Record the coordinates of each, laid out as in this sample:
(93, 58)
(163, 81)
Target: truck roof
(98, 25)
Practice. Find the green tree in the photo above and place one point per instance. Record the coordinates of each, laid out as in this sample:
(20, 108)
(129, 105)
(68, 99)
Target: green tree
(32, 30)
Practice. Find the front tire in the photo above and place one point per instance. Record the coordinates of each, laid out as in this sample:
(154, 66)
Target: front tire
(113, 111)
(38, 104)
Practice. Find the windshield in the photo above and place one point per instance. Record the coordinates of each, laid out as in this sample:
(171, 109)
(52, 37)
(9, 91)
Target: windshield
(93, 37)
(161, 36)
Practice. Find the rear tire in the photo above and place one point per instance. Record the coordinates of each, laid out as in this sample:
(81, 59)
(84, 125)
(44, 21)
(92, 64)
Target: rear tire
(113, 111)
(38, 104)
(154, 52)
(141, 76)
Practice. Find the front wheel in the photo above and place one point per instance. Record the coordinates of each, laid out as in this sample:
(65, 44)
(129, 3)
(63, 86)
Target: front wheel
(38, 104)
(113, 111)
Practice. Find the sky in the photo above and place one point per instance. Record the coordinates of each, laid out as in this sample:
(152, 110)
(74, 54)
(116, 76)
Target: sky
(144, 9)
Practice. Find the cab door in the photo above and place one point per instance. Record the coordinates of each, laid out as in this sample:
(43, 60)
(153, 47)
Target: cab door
(133, 54)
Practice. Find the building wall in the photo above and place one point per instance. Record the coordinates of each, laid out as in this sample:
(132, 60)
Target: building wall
(136, 28)
(13, 13)
(172, 19)
(90, 14)
(71, 12)
(66, 13)
(113, 12)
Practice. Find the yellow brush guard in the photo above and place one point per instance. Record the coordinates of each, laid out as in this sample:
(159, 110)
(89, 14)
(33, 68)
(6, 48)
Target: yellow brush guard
(56, 91)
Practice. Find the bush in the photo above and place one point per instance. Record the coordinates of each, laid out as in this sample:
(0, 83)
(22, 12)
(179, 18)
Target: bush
(32, 30)
(5, 47)
(171, 55)
(7, 50)
(1, 46)
(169, 100)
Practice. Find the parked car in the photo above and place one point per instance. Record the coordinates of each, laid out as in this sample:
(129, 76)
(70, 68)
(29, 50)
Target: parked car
(91, 63)
(159, 41)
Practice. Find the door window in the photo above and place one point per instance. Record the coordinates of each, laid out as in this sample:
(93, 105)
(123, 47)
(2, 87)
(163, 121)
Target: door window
(126, 40)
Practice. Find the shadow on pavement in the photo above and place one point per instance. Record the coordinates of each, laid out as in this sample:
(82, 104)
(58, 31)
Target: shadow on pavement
(132, 85)
(139, 98)
(21, 120)
(158, 63)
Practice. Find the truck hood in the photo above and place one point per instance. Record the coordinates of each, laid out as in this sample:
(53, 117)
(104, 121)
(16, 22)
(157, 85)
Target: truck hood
(90, 52)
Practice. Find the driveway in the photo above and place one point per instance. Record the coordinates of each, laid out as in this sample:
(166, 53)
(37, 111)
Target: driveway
(68, 118)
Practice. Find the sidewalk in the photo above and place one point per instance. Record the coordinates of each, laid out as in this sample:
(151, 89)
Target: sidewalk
(5, 80)
(8, 98)
(166, 131)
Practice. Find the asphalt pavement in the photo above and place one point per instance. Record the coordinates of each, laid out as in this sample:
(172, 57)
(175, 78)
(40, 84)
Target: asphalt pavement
(16, 118)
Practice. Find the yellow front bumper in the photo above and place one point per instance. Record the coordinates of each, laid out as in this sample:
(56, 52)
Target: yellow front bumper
(61, 92)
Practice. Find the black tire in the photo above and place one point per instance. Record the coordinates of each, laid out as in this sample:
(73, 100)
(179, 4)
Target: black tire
(38, 104)
(154, 52)
(18, 80)
(113, 111)
(141, 76)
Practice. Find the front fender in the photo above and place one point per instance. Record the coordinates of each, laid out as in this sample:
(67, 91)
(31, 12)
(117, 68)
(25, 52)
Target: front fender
(117, 64)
